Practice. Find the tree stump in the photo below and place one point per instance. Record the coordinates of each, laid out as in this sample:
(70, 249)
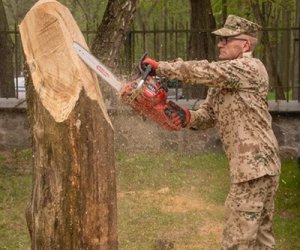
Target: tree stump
(73, 202)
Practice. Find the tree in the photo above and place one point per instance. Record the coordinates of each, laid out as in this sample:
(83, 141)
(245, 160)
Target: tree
(161, 14)
(224, 10)
(113, 29)
(87, 12)
(202, 42)
(262, 15)
(7, 88)
(296, 81)
(111, 34)
(142, 16)
(16, 10)
(73, 203)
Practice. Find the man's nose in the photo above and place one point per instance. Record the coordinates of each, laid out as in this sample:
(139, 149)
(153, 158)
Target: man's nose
(220, 44)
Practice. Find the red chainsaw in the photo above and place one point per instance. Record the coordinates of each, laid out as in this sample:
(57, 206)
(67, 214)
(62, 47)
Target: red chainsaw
(145, 94)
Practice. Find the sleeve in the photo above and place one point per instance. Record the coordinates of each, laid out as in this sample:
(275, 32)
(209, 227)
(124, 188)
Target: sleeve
(239, 73)
(204, 117)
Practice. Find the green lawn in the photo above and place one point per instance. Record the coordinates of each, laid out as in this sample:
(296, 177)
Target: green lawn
(163, 197)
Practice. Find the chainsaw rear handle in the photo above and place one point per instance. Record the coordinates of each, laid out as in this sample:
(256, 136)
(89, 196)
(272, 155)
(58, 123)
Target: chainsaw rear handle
(183, 113)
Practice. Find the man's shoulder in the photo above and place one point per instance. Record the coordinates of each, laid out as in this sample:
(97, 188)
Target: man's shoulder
(247, 60)
(241, 62)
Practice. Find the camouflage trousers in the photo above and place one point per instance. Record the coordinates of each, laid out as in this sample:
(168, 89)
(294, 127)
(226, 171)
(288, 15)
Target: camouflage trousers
(249, 213)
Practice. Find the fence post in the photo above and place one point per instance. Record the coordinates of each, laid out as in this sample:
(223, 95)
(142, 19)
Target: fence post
(298, 85)
(16, 63)
(128, 52)
(155, 41)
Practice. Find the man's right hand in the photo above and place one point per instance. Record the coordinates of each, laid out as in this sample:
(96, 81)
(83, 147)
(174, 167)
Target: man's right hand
(179, 115)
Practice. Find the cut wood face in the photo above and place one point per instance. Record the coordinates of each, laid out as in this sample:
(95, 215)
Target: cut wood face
(47, 32)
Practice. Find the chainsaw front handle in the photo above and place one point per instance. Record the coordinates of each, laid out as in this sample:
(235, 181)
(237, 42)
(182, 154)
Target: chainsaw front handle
(145, 75)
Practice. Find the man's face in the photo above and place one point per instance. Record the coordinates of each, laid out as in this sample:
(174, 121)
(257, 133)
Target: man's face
(232, 47)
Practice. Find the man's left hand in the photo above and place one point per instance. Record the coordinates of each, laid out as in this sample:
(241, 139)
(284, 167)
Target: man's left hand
(149, 61)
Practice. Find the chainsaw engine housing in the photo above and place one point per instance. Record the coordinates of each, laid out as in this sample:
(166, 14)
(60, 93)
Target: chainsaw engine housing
(150, 100)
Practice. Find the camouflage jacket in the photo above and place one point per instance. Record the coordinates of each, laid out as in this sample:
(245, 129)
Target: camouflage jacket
(236, 104)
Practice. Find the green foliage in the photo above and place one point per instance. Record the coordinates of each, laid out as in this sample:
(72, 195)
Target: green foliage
(273, 9)
(162, 14)
(89, 14)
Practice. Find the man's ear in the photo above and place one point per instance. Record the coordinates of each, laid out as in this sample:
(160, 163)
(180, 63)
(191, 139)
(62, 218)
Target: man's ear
(247, 46)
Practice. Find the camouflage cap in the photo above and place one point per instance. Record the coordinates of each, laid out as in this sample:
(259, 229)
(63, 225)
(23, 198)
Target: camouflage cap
(236, 25)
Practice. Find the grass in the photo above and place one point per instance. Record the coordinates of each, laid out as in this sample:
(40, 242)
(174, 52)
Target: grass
(163, 197)
(15, 185)
(287, 218)
(170, 197)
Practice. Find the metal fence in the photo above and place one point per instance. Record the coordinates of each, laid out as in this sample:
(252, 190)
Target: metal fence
(279, 50)
(281, 55)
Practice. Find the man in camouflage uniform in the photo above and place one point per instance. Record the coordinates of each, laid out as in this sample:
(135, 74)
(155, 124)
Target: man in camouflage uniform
(236, 104)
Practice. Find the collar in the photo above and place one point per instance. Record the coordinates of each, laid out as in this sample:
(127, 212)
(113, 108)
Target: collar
(247, 54)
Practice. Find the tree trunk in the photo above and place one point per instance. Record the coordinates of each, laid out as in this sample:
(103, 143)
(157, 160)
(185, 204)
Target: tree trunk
(111, 34)
(224, 10)
(296, 76)
(73, 203)
(284, 48)
(275, 80)
(202, 42)
(113, 29)
(7, 88)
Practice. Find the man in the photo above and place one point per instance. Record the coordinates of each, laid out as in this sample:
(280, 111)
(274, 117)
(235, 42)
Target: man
(236, 104)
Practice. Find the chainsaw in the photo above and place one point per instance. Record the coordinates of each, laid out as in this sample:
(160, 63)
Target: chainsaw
(145, 93)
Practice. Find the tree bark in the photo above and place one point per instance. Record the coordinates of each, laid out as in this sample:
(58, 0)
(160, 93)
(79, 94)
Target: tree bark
(7, 88)
(73, 202)
(224, 10)
(202, 42)
(296, 76)
(111, 34)
(113, 29)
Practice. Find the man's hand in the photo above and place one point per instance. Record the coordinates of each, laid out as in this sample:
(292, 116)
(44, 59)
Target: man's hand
(152, 62)
(176, 120)
(178, 115)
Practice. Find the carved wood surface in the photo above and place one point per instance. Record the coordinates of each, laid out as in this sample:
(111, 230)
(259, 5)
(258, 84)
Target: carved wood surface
(47, 32)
